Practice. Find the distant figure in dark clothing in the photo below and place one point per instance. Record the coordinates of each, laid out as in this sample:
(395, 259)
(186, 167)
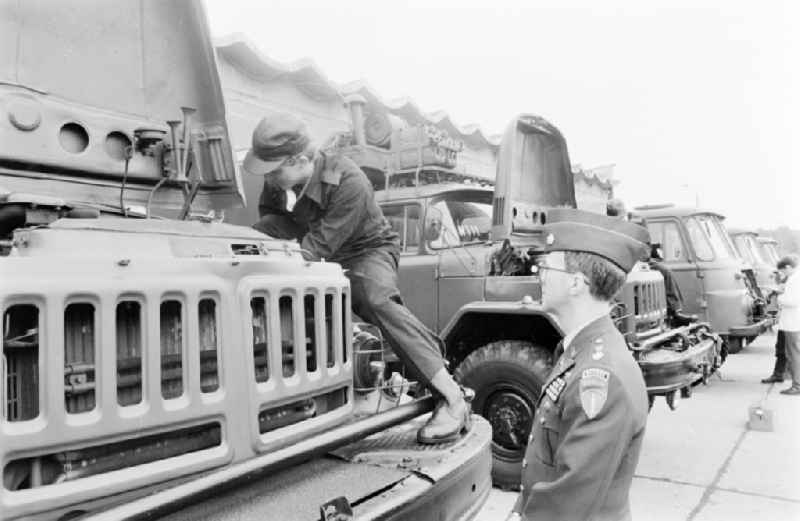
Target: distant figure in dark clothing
(780, 361)
(779, 370)
(616, 208)
(671, 289)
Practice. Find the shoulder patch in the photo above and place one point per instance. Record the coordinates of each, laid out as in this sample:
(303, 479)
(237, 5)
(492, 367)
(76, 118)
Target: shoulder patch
(593, 390)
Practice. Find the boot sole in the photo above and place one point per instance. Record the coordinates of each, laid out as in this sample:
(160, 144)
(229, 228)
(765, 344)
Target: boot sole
(447, 439)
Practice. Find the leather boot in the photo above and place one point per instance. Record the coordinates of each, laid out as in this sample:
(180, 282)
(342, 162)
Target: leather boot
(772, 379)
(444, 426)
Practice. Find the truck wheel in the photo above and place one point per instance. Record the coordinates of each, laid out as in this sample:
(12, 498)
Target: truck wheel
(507, 376)
(735, 344)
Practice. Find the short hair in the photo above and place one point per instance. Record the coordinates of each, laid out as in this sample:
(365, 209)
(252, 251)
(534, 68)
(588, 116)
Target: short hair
(605, 278)
(789, 260)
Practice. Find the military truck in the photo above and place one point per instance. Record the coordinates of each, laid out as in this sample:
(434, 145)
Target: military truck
(751, 250)
(716, 285)
(467, 249)
(153, 357)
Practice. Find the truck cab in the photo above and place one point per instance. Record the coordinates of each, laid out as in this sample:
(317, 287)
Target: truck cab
(155, 358)
(713, 280)
(751, 249)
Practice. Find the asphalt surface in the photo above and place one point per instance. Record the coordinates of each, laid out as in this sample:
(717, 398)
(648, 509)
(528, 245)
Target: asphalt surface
(703, 463)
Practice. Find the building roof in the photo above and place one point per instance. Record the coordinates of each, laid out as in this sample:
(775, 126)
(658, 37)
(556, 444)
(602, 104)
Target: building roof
(309, 78)
(671, 210)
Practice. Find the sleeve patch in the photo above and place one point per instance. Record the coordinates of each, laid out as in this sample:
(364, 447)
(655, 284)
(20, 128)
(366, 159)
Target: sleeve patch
(593, 390)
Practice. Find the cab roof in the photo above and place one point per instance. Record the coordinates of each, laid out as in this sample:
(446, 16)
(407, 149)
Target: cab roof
(741, 231)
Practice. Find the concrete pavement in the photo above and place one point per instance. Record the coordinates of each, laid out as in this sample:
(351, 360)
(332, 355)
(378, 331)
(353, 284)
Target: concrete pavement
(702, 463)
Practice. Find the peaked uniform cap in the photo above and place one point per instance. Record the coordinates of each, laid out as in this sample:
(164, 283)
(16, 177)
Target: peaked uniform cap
(619, 241)
(276, 138)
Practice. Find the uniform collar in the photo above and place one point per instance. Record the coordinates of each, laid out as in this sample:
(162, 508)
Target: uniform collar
(590, 332)
(326, 170)
(570, 339)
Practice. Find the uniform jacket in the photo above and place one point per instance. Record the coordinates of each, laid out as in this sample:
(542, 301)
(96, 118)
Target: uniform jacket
(336, 214)
(577, 467)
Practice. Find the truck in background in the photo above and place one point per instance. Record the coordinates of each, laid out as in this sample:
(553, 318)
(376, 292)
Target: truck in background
(716, 285)
(467, 249)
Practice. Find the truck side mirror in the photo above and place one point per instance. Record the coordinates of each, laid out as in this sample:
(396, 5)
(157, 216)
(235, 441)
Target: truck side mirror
(433, 224)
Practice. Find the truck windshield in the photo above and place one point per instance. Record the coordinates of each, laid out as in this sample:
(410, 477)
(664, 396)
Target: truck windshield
(709, 238)
(466, 218)
(742, 246)
(756, 251)
(768, 252)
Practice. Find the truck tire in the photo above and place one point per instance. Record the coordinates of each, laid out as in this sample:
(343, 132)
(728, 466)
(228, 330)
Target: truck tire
(507, 377)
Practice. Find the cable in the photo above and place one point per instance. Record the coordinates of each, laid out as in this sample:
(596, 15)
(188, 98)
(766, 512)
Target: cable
(128, 155)
(152, 193)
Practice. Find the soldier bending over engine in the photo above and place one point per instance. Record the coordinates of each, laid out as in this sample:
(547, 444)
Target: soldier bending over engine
(326, 202)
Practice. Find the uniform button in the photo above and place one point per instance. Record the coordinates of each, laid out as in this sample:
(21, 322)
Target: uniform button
(541, 420)
(530, 438)
(524, 463)
(546, 405)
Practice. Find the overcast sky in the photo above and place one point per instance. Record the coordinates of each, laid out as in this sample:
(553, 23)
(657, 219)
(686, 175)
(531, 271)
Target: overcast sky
(690, 100)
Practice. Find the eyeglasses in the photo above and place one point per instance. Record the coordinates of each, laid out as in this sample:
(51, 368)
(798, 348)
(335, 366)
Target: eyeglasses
(537, 269)
(290, 161)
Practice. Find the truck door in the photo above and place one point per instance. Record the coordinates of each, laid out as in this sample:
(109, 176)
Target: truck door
(679, 259)
(417, 271)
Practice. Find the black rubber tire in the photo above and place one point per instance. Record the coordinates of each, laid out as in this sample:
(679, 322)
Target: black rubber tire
(507, 377)
(735, 344)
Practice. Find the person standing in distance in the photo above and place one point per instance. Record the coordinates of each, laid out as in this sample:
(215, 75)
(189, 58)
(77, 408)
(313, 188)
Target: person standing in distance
(327, 203)
(591, 415)
(789, 319)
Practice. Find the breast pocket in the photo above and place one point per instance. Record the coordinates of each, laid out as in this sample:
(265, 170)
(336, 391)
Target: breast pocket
(546, 437)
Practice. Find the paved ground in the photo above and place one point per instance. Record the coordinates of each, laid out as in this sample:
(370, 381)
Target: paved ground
(702, 463)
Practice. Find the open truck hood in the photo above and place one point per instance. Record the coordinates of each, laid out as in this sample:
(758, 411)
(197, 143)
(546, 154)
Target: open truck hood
(81, 80)
(533, 175)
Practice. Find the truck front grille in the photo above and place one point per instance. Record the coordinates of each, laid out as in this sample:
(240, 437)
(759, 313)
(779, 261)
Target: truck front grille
(649, 305)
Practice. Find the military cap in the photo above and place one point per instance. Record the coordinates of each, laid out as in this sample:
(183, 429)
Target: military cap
(617, 240)
(275, 139)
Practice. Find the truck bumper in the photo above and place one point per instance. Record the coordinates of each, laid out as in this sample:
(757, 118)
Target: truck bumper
(665, 370)
(753, 329)
(385, 476)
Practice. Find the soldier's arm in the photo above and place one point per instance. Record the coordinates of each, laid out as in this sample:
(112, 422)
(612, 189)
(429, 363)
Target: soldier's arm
(587, 459)
(272, 200)
(344, 215)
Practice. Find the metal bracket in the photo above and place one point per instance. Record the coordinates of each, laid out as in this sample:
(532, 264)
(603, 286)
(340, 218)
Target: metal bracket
(337, 509)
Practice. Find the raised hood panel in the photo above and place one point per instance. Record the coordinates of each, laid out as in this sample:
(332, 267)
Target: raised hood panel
(79, 77)
(533, 174)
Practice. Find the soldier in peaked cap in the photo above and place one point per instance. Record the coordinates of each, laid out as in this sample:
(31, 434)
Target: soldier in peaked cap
(590, 420)
(326, 202)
